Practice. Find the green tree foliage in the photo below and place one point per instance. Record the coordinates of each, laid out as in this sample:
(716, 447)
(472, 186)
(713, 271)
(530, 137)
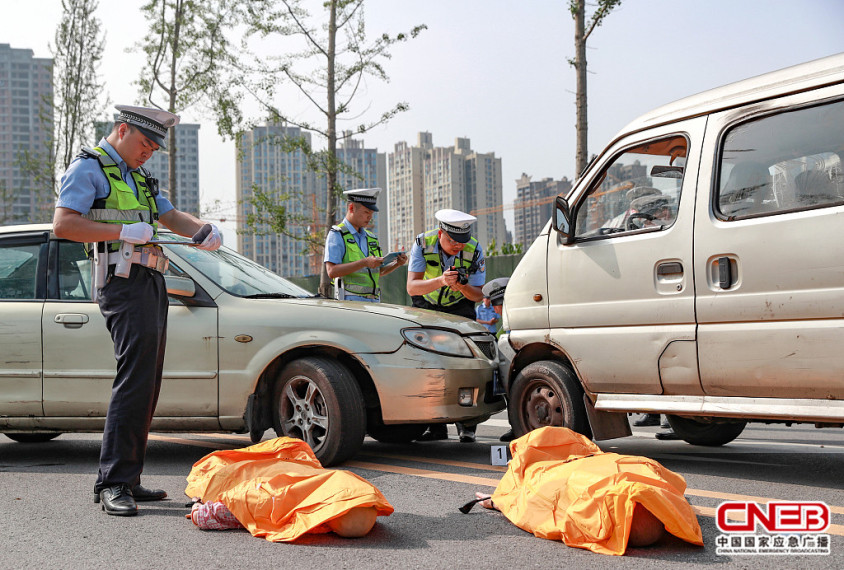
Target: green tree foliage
(329, 59)
(582, 31)
(506, 249)
(188, 61)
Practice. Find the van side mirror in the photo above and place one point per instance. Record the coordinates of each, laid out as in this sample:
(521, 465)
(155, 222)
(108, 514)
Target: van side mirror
(562, 218)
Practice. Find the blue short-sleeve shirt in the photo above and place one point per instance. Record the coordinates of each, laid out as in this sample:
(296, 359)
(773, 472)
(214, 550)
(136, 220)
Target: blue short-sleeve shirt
(335, 248)
(416, 263)
(483, 313)
(84, 181)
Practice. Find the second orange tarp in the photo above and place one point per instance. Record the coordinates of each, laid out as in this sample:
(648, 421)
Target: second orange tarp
(561, 486)
(278, 490)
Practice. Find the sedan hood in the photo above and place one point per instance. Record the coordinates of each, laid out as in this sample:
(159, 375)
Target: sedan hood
(419, 317)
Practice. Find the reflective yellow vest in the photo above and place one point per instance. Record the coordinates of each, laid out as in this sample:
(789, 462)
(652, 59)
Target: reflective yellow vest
(121, 206)
(363, 283)
(445, 296)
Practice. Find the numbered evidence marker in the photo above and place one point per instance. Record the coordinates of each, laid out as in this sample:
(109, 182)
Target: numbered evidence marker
(499, 454)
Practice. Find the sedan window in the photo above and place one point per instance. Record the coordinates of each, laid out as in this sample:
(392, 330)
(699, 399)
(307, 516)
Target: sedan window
(19, 271)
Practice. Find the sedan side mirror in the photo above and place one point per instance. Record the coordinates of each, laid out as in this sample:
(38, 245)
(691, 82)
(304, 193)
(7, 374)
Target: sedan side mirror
(562, 218)
(180, 286)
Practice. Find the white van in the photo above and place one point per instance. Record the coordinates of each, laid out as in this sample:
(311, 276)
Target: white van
(696, 269)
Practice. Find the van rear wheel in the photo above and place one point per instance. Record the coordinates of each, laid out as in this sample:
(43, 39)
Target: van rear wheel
(547, 393)
(710, 433)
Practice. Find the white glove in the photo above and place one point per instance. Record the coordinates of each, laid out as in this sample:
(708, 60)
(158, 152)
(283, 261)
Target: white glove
(213, 241)
(139, 232)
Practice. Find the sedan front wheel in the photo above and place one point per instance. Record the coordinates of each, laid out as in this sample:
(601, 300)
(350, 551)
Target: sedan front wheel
(317, 400)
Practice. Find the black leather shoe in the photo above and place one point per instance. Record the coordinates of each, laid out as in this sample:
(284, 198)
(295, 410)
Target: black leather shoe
(647, 420)
(141, 493)
(117, 500)
(667, 435)
(434, 432)
(508, 436)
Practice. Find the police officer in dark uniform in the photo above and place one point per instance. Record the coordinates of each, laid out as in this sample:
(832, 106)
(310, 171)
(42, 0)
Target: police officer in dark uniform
(445, 273)
(109, 201)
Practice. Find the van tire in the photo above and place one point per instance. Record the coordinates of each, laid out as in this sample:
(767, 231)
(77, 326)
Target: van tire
(547, 393)
(711, 434)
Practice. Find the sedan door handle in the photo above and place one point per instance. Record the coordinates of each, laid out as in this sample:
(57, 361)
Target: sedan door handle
(71, 320)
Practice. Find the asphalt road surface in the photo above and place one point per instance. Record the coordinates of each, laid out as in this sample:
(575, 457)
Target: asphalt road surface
(49, 519)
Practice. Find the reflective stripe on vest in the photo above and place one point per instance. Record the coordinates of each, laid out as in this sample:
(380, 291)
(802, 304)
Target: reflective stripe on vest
(444, 296)
(363, 283)
(121, 206)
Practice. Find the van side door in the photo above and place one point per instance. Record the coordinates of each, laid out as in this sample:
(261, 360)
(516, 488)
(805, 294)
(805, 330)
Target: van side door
(620, 294)
(769, 249)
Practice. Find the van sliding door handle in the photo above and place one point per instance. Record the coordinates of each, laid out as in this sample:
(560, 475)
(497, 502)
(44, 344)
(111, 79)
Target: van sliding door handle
(725, 273)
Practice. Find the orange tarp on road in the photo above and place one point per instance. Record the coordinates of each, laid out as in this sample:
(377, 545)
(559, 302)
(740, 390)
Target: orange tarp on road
(278, 490)
(561, 486)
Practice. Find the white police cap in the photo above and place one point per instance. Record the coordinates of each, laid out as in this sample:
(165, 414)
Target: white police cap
(456, 224)
(152, 122)
(366, 196)
(495, 290)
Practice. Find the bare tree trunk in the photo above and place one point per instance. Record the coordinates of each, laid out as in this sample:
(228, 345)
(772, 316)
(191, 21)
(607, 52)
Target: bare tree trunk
(580, 68)
(331, 132)
(171, 135)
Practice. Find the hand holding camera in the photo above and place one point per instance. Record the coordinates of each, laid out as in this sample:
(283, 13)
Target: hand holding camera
(462, 274)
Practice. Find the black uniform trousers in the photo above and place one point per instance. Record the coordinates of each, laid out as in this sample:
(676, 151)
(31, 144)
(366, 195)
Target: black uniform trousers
(135, 311)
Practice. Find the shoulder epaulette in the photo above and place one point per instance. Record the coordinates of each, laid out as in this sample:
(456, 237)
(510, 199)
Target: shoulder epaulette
(88, 152)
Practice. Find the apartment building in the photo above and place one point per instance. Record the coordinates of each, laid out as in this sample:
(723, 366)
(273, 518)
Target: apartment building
(26, 125)
(265, 165)
(425, 178)
(368, 169)
(534, 206)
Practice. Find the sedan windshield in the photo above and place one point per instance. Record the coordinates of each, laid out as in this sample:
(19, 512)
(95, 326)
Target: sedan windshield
(236, 274)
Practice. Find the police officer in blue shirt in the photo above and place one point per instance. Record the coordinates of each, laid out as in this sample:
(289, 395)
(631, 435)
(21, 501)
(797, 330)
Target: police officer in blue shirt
(352, 254)
(108, 200)
(445, 273)
(486, 315)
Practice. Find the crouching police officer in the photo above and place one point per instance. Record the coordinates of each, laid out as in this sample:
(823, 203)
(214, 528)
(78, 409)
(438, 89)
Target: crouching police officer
(352, 254)
(110, 201)
(445, 273)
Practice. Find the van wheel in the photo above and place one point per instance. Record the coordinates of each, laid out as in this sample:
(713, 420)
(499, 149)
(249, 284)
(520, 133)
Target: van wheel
(396, 433)
(317, 400)
(546, 393)
(32, 437)
(712, 433)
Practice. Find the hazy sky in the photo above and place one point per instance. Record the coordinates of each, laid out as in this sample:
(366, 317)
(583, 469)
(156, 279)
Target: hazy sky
(496, 71)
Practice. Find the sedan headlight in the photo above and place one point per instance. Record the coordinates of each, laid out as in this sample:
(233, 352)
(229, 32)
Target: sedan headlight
(436, 340)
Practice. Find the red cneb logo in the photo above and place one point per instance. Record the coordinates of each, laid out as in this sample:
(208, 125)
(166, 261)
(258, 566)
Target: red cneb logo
(773, 516)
